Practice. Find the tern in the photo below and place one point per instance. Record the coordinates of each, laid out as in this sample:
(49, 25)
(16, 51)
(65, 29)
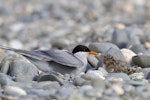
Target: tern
(61, 61)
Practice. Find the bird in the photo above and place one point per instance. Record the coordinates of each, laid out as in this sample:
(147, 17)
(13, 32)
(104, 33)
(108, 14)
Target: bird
(59, 61)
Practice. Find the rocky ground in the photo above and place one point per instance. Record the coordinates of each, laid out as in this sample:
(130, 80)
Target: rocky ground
(117, 29)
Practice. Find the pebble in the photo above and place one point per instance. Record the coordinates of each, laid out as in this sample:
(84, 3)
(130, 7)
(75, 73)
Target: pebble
(146, 72)
(141, 60)
(120, 38)
(93, 61)
(50, 77)
(138, 48)
(23, 71)
(117, 54)
(16, 44)
(78, 81)
(119, 90)
(123, 76)
(94, 74)
(46, 85)
(14, 91)
(137, 76)
(102, 46)
(5, 80)
(128, 54)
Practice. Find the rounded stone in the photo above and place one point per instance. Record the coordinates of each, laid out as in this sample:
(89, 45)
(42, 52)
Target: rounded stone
(102, 46)
(14, 91)
(120, 38)
(24, 71)
(141, 60)
(128, 54)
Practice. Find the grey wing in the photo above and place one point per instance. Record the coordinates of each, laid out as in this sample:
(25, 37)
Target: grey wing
(34, 54)
(64, 57)
(59, 56)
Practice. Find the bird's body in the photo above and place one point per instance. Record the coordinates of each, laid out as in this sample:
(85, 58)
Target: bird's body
(57, 60)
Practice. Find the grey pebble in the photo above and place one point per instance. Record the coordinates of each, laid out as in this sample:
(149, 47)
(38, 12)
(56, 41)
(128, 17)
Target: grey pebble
(102, 46)
(120, 38)
(141, 60)
(5, 80)
(23, 71)
(46, 85)
(116, 53)
(138, 48)
(50, 77)
(123, 76)
(78, 81)
(146, 72)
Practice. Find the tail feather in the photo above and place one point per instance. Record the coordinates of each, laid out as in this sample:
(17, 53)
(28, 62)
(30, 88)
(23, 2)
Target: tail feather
(34, 54)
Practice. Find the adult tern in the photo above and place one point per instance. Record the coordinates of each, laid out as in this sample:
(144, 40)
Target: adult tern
(58, 60)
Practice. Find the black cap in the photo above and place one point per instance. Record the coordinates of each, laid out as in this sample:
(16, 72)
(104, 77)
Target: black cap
(80, 48)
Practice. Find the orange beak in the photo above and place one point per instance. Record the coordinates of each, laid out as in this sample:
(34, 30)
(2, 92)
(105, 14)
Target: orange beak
(94, 53)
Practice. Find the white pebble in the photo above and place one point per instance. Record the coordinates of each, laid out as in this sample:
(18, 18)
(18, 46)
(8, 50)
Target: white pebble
(14, 91)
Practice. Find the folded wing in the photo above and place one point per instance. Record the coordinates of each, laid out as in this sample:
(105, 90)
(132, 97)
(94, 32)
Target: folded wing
(58, 56)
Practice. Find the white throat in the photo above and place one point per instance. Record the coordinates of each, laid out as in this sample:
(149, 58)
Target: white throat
(82, 56)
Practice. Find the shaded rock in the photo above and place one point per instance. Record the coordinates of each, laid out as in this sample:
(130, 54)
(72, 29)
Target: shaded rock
(46, 85)
(134, 35)
(141, 60)
(120, 38)
(102, 46)
(5, 80)
(78, 81)
(146, 72)
(23, 71)
(138, 48)
(51, 77)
